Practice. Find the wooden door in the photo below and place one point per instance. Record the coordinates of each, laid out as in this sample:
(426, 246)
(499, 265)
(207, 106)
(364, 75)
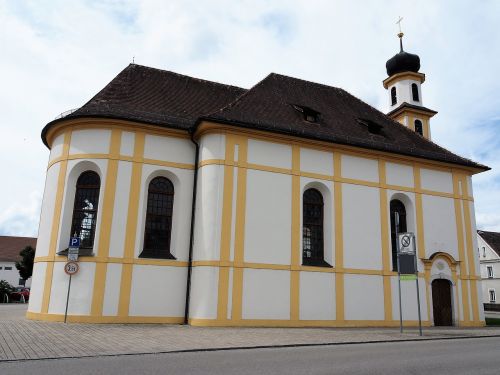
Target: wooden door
(441, 302)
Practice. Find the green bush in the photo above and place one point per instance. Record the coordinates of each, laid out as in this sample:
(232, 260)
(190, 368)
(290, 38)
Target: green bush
(5, 290)
(492, 322)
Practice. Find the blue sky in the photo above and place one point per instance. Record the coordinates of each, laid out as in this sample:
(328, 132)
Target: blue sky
(57, 54)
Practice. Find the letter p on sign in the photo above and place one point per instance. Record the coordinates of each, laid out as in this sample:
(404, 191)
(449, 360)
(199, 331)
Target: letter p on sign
(74, 242)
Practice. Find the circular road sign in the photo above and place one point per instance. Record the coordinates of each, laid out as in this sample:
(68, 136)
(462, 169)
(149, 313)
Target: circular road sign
(71, 268)
(405, 241)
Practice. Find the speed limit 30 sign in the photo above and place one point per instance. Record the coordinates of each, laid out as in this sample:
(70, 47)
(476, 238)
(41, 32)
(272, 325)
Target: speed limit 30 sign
(71, 268)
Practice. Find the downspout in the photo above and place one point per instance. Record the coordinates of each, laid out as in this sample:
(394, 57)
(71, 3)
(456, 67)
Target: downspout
(191, 234)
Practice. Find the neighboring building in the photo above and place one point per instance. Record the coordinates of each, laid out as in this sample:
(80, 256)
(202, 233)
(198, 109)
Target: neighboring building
(10, 247)
(296, 187)
(489, 258)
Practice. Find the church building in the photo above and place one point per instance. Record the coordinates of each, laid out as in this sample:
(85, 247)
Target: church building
(208, 204)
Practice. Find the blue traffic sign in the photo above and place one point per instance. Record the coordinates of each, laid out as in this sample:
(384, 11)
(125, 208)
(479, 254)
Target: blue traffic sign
(74, 242)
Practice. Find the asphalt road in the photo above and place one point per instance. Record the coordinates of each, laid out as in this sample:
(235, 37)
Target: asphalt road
(463, 356)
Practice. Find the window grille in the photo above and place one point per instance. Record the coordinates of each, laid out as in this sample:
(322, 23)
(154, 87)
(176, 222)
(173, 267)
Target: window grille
(397, 209)
(157, 232)
(85, 208)
(312, 228)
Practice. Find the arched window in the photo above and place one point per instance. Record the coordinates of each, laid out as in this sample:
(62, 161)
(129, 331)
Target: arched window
(85, 208)
(418, 127)
(312, 229)
(158, 227)
(398, 225)
(394, 98)
(414, 92)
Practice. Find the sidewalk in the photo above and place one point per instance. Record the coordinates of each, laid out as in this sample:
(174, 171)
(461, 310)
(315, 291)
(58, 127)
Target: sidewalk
(22, 339)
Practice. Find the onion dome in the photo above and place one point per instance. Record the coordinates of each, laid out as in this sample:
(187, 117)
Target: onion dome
(403, 61)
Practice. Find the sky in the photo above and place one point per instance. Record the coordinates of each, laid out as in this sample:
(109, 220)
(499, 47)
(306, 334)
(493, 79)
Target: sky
(56, 55)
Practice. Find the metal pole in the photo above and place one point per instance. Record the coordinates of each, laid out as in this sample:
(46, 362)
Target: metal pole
(396, 224)
(418, 290)
(67, 300)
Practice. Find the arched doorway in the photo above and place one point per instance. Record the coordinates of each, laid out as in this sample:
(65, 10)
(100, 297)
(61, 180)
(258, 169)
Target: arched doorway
(441, 302)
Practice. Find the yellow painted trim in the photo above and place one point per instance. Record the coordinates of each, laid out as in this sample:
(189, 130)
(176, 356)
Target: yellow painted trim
(104, 319)
(56, 220)
(339, 239)
(131, 226)
(98, 259)
(207, 127)
(105, 225)
(403, 75)
(461, 251)
(267, 168)
(227, 208)
(125, 125)
(239, 235)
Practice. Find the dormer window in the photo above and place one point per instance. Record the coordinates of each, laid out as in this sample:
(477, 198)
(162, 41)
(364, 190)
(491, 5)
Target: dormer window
(308, 114)
(372, 126)
(419, 128)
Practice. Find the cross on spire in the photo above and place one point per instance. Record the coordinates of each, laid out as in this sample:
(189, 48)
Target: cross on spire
(400, 34)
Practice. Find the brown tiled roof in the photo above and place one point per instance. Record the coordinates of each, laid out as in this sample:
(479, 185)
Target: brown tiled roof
(343, 118)
(492, 239)
(155, 96)
(172, 100)
(11, 246)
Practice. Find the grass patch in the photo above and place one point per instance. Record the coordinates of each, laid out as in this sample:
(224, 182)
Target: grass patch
(492, 321)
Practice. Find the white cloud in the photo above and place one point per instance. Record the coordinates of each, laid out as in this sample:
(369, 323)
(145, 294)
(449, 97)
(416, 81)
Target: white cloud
(56, 55)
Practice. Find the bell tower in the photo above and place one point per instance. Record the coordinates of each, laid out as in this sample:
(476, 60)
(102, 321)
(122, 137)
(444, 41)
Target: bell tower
(404, 85)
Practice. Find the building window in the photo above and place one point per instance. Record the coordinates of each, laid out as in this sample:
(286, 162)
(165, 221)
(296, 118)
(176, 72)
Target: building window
(414, 92)
(157, 232)
(8, 268)
(0, 268)
(490, 272)
(418, 127)
(398, 225)
(484, 252)
(312, 229)
(85, 208)
(493, 295)
(394, 98)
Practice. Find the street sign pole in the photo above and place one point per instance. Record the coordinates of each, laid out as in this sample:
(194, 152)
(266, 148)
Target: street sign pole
(396, 224)
(418, 291)
(67, 300)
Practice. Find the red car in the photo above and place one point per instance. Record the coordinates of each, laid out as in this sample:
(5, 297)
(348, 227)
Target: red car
(18, 294)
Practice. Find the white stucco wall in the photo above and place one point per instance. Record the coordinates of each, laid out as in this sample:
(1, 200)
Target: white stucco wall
(268, 206)
(158, 291)
(399, 174)
(359, 168)
(436, 180)
(172, 149)
(315, 161)
(204, 292)
(9, 273)
(269, 289)
(37, 287)
(127, 143)
(112, 289)
(404, 93)
(90, 141)
(408, 299)
(361, 227)
(317, 296)
(269, 154)
(212, 146)
(364, 297)
(56, 147)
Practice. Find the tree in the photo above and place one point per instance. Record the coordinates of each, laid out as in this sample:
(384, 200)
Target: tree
(25, 266)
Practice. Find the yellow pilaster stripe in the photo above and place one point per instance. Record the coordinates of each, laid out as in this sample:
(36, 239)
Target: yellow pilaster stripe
(461, 252)
(61, 180)
(419, 212)
(470, 250)
(131, 227)
(295, 255)
(227, 207)
(105, 225)
(339, 239)
(239, 240)
(384, 234)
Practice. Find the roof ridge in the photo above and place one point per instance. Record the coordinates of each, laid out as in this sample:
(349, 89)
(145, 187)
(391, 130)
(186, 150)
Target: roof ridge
(183, 76)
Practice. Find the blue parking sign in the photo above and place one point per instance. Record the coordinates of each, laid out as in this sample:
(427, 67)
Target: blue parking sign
(74, 242)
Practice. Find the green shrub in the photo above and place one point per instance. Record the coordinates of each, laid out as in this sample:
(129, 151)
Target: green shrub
(5, 290)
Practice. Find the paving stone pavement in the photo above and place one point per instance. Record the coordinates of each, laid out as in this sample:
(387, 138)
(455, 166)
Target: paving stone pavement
(22, 339)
